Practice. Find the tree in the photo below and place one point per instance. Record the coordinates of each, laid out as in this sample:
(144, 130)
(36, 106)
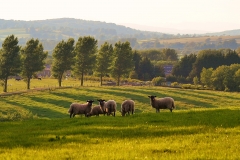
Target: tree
(195, 80)
(208, 59)
(205, 77)
(146, 69)
(10, 61)
(237, 79)
(231, 57)
(123, 61)
(104, 60)
(136, 59)
(85, 50)
(33, 57)
(170, 54)
(63, 59)
(218, 77)
(229, 81)
(184, 66)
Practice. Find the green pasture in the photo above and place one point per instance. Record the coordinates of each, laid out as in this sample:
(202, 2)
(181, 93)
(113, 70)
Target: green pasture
(36, 125)
(18, 32)
(35, 84)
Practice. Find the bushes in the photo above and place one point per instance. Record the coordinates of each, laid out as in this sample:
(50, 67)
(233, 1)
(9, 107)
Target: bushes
(157, 81)
(19, 115)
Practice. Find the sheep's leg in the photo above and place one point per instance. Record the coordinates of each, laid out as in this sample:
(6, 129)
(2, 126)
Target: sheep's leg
(70, 115)
(73, 115)
(114, 114)
(171, 109)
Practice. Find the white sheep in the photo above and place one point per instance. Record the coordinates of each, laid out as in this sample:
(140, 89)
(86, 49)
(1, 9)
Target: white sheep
(127, 107)
(96, 110)
(162, 103)
(76, 108)
(110, 107)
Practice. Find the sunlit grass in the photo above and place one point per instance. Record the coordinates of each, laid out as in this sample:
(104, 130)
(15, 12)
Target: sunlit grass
(205, 125)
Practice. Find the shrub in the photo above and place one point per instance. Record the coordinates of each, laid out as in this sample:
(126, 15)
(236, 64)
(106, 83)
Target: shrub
(19, 115)
(158, 80)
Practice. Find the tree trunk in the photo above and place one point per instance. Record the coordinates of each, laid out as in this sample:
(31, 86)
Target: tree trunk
(28, 82)
(60, 81)
(5, 84)
(101, 80)
(82, 79)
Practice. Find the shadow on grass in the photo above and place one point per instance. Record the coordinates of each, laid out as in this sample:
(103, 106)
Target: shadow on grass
(140, 126)
(132, 93)
(37, 110)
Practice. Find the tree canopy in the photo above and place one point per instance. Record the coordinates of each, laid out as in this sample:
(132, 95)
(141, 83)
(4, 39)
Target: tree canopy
(85, 50)
(123, 61)
(63, 59)
(10, 61)
(104, 60)
(33, 56)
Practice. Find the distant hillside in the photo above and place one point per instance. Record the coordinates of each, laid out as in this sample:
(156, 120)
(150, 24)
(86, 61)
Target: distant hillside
(57, 29)
(227, 33)
(51, 31)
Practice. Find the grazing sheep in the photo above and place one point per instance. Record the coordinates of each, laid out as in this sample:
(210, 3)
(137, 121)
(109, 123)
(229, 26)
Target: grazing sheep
(110, 107)
(96, 110)
(162, 103)
(76, 108)
(102, 104)
(127, 107)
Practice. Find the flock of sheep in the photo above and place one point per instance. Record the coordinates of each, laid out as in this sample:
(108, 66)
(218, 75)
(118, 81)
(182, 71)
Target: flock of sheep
(110, 107)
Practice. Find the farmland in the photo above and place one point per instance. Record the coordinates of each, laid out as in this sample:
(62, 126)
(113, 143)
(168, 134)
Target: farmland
(197, 39)
(205, 125)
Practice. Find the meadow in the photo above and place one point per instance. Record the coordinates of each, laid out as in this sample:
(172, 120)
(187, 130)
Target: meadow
(36, 125)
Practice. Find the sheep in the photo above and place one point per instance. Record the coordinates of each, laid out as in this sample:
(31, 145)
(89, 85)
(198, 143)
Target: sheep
(162, 103)
(127, 107)
(110, 107)
(96, 110)
(76, 108)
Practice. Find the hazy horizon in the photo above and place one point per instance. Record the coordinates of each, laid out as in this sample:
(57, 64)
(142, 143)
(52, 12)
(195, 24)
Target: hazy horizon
(172, 16)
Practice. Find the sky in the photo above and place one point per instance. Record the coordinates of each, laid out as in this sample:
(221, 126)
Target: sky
(190, 16)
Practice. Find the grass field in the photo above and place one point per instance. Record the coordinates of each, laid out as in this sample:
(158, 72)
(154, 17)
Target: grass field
(19, 32)
(196, 39)
(205, 125)
(15, 86)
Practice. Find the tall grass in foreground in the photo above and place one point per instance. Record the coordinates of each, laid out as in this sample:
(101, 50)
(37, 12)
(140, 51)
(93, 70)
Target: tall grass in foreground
(205, 125)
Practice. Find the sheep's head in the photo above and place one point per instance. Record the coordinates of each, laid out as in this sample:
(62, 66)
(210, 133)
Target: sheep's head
(152, 97)
(101, 101)
(90, 101)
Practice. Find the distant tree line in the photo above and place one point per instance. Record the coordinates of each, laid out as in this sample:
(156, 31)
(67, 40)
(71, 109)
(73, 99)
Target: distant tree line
(217, 69)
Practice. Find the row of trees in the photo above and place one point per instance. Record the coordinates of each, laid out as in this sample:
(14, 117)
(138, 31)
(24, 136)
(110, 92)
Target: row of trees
(26, 60)
(83, 58)
(118, 61)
